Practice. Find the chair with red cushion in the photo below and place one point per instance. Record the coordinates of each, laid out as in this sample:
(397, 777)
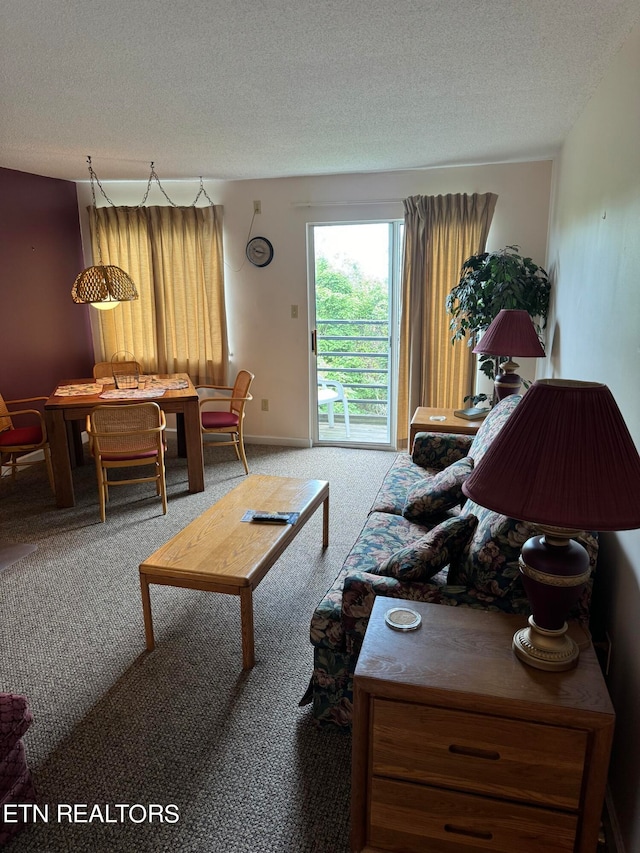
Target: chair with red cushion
(230, 420)
(16, 441)
(127, 436)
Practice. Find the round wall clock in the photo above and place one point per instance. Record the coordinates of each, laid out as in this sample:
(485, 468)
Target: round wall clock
(259, 251)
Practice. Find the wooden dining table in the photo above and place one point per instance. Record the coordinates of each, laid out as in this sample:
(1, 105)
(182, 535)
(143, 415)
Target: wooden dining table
(67, 408)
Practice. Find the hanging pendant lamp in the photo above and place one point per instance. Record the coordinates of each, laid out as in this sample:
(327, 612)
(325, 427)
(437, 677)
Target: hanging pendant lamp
(104, 286)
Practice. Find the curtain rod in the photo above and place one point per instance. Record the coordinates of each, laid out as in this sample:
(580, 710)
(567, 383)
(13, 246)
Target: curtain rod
(346, 203)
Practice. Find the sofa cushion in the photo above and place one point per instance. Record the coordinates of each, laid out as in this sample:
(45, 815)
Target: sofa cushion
(489, 563)
(435, 451)
(491, 426)
(488, 566)
(401, 477)
(435, 494)
(423, 559)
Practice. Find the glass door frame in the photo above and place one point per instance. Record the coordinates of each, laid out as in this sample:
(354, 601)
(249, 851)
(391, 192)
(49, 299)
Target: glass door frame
(395, 229)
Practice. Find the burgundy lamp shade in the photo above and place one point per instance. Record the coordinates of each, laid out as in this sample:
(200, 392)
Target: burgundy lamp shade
(564, 458)
(566, 462)
(511, 333)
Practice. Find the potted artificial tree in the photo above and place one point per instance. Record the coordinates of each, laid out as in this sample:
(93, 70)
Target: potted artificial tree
(489, 282)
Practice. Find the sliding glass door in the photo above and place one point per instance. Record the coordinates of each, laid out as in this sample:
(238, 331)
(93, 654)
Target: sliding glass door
(354, 274)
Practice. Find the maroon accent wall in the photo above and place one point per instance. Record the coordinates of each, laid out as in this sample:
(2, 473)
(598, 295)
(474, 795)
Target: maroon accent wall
(44, 336)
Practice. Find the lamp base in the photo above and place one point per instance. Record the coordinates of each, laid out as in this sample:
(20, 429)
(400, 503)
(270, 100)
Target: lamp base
(543, 648)
(507, 381)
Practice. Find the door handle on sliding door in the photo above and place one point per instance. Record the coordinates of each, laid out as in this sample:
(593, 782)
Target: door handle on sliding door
(314, 341)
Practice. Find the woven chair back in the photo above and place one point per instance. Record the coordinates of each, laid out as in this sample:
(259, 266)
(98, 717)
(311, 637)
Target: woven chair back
(127, 429)
(241, 389)
(5, 417)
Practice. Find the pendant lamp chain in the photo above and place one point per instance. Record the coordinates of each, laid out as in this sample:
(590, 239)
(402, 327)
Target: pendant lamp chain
(94, 178)
(102, 285)
(106, 286)
(153, 176)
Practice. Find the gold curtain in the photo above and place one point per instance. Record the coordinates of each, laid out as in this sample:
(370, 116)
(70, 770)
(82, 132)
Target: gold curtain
(174, 255)
(440, 233)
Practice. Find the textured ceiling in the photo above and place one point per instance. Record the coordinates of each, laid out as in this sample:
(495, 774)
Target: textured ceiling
(239, 89)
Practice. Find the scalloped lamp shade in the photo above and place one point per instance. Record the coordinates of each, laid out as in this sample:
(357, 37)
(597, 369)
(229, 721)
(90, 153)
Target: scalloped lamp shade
(565, 461)
(511, 333)
(103, 286)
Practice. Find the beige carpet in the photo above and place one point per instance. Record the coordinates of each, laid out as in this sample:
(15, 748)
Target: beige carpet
(243, 764)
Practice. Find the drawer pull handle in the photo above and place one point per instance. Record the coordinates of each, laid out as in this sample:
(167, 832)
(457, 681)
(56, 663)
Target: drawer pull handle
(471, 833)
(488, 754)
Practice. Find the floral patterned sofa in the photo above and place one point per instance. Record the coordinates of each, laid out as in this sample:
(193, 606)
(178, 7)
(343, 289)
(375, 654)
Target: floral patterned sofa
(421, 541)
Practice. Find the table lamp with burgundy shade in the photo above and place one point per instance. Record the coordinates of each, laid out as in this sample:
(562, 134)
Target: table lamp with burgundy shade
(511, 333)
(565, 462)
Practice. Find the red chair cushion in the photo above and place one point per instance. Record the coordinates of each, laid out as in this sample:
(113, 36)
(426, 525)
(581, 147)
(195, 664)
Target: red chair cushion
(217, 420)
(20, 436)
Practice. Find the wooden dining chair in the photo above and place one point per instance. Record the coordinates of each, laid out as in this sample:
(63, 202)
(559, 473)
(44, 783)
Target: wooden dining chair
(104, 369)
(127, 436)
(230, 420)
(16, 441)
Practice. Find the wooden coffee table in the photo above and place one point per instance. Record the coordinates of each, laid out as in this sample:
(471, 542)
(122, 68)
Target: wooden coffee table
(220, 553)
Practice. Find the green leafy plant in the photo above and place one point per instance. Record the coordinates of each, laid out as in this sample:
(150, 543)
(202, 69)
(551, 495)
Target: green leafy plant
(489, 282)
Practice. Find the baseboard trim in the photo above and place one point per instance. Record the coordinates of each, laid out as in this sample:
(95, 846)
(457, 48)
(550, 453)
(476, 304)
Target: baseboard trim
(277, 439)
(260, 439)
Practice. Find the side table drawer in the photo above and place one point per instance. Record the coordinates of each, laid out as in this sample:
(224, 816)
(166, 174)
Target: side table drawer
(527, 762)
(415, 818)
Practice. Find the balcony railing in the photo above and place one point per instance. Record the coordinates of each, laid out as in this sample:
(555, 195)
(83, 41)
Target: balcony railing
(356, 354)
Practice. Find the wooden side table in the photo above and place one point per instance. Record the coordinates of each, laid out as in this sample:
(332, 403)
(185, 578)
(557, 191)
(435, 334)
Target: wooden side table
(458, 746)
(426, 419)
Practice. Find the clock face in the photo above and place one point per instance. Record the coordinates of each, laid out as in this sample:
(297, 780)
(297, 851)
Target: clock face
(259, 251)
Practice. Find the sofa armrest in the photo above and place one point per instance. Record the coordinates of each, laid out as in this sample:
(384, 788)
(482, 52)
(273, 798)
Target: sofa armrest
(360, 591)
(435, 450)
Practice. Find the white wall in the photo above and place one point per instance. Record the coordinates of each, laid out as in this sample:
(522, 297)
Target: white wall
(595, 335)
(263, 337)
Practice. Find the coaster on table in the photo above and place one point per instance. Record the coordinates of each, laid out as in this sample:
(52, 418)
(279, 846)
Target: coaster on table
(402, 619)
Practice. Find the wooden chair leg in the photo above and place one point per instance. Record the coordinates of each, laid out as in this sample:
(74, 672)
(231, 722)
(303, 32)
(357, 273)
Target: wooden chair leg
(234, 439)
(100, 474)
(242, 453)
(162, 482)
(47, 460)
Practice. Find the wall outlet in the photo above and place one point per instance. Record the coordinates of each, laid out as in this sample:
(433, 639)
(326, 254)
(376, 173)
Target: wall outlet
(264, 405)
(257, 207)
(294, 312)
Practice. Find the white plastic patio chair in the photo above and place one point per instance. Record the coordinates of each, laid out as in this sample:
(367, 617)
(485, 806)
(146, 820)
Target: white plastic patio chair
(329, 392)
